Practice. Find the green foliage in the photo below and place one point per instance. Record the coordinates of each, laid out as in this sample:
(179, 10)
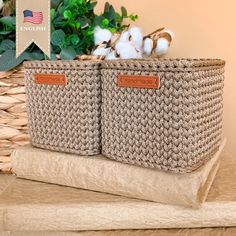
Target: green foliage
(8, 60)
(7, 27)
(68, 53)
(113, 20)
(72, 31)
(58, 38)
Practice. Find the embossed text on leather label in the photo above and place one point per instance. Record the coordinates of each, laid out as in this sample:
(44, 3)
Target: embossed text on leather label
(139, 81)
(50, 79)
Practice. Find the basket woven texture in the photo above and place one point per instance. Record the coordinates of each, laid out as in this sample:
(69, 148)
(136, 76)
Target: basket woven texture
(65, 118)
(175, 128)
(13, 117)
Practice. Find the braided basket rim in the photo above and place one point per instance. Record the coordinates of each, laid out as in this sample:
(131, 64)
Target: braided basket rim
(63, 65)
(166, 64)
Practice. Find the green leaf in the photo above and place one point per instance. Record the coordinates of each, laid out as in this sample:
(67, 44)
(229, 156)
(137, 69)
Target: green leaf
(106, 7)
(9, 21)
(98, 20)
(58, 38)
(74, 24)
(79, 51)
(84, 22)
(55, 3)
(53, 14)
(61, 9)
(68, 53)
(68, 15)
(105, 23)
(37, 55)
(92, 5)
(5, 32)
(112, 30)
(9, 61)
(124, 12)
(7, 44)
(55, 49)
(72, 39)
(77, 25)
(112, 12)
(133, 17)
(67, 2)
(53, 57)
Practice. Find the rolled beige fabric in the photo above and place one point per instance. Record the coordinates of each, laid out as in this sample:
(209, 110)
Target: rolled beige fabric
(103, 175)
(33, 206)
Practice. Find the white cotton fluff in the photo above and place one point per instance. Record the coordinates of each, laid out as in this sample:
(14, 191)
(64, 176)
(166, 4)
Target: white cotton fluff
(126, 50)
(101, 35)
(136, 36)
(111, 56)
(148, 46)
(139, 55)
(124, 37)
(1, 4)
(170, 32)
(162, 46)
(101, 51)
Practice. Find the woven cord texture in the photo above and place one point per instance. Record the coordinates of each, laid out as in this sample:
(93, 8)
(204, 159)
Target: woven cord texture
(175, 128)
(65, 118)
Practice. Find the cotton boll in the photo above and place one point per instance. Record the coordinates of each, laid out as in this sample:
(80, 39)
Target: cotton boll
(126, 50)
(101, 51)
(170, 32)
(115, 38)
(124, 37)
(162, 46)
(148, 46)
(139, 55)
(136, 36)
(1, 4)
(111, 56)
(101, 35)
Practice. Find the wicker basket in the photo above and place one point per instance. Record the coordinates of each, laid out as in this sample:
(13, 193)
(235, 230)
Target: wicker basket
(13, 120)
(63, 103)
(175, 127)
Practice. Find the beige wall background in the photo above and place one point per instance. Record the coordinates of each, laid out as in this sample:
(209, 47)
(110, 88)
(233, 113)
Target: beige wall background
(203, 28)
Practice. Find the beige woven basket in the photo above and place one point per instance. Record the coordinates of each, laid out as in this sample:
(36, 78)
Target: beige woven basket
(64, 99)
(175, 127)
(13, 120)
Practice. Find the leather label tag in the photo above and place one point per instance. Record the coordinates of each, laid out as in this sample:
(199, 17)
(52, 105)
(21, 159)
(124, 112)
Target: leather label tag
(139, 81)
(50, 79)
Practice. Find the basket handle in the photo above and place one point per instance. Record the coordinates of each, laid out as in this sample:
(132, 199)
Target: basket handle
(139, 81)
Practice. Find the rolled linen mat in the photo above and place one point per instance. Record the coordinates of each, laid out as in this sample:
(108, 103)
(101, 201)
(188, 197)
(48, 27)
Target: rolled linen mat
(104, 175)
(48, 207)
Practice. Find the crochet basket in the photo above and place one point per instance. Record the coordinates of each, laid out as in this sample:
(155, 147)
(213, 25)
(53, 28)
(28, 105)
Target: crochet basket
(164, 114)
(64, 105)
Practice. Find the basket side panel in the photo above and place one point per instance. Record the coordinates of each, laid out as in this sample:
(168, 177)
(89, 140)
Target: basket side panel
(148, 127)
(175, 128)
(207, 113)
(65, 118)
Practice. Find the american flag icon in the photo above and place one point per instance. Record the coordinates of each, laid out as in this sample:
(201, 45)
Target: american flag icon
(33, 17)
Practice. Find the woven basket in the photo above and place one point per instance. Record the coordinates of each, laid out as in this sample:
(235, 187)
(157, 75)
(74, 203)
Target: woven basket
(64, 117)
(13, 120)
(176, 127)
